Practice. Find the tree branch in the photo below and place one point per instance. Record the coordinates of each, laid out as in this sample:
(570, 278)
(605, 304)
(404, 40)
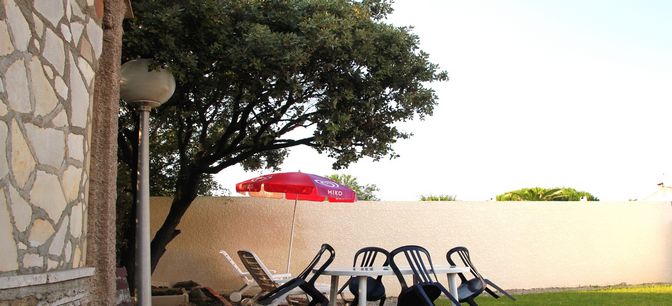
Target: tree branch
(280, 144)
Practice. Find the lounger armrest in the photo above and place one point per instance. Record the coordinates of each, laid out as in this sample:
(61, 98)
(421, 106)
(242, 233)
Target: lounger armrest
(281, 276)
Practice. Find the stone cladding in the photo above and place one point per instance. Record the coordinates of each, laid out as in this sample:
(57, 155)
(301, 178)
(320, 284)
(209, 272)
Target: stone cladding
(49, 51)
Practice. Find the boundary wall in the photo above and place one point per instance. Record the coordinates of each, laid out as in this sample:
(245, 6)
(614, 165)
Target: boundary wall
(519, 245)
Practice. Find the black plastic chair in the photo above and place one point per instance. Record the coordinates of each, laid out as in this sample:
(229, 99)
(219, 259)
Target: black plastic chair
(426, 287)
(469, 289)
(305, 280)
(366, 257)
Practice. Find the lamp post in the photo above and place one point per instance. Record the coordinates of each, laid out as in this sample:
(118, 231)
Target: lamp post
(144, 89)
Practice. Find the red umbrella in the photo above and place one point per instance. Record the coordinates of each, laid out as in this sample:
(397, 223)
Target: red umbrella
(296, 186)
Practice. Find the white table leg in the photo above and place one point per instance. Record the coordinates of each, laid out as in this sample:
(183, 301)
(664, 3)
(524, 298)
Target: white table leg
(362, 290)
(452, 285)
(334, 290)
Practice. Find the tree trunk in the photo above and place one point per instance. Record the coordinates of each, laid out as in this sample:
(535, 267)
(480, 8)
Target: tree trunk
(127, 254)
(126, 199)
(186, 190)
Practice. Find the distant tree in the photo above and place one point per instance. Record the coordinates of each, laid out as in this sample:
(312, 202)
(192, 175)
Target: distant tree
(441, 197)
(546, 194)
(364, 192)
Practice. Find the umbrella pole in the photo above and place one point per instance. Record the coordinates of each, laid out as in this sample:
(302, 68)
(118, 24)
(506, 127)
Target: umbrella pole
(291, 237)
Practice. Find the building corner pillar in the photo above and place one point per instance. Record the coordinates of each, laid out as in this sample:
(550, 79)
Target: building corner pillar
(101, 248)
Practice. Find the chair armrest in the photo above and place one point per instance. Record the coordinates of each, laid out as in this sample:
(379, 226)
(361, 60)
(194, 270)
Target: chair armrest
(418, 288)
(281, 290)
(340, 291)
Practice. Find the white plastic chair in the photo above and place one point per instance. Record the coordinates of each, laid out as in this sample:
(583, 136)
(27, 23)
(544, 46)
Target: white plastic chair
(248, 281)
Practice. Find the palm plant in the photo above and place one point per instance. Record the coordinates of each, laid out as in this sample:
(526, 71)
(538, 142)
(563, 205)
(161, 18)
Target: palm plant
(441, 197)
(546, 194)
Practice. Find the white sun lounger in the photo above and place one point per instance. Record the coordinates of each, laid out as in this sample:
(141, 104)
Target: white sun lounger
(249, 282)
(262, 276)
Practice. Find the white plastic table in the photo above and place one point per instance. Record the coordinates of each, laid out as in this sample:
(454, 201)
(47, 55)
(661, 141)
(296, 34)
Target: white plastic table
(363, 273)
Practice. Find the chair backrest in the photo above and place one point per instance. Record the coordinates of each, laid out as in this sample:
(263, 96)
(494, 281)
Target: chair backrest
(233, 264)
(257, 270)
(418, 259)
(366, 257)
(302, 281)
(309, 269)
(463, 253)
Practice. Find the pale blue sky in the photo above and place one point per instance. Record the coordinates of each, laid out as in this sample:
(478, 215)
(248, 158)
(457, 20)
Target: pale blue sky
(542, 93)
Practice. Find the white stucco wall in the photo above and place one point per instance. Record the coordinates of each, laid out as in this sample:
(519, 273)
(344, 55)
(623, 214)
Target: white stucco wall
(519, 245)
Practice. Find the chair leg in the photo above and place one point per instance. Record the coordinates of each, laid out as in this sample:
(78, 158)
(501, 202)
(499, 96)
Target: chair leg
(492, 293)
(500, 289)
(382, 301)
(318, 297)
(471, 302)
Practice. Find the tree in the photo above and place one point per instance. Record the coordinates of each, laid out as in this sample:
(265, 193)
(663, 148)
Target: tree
(364, 192)
(258, 77)
(441, 197)
(546, 194)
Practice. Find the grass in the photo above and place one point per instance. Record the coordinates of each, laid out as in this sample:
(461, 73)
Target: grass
(649, 295)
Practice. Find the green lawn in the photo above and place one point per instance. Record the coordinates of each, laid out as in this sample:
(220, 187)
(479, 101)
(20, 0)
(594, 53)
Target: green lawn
(639, 295)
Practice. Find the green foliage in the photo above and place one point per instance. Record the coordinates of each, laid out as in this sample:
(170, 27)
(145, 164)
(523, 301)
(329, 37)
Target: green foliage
(546, 194)
(255, 78)
(250, 72)
(440, 197)
(364, 192)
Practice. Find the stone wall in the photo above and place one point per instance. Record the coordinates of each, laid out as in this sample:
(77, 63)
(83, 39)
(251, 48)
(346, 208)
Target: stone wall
(48, 57)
